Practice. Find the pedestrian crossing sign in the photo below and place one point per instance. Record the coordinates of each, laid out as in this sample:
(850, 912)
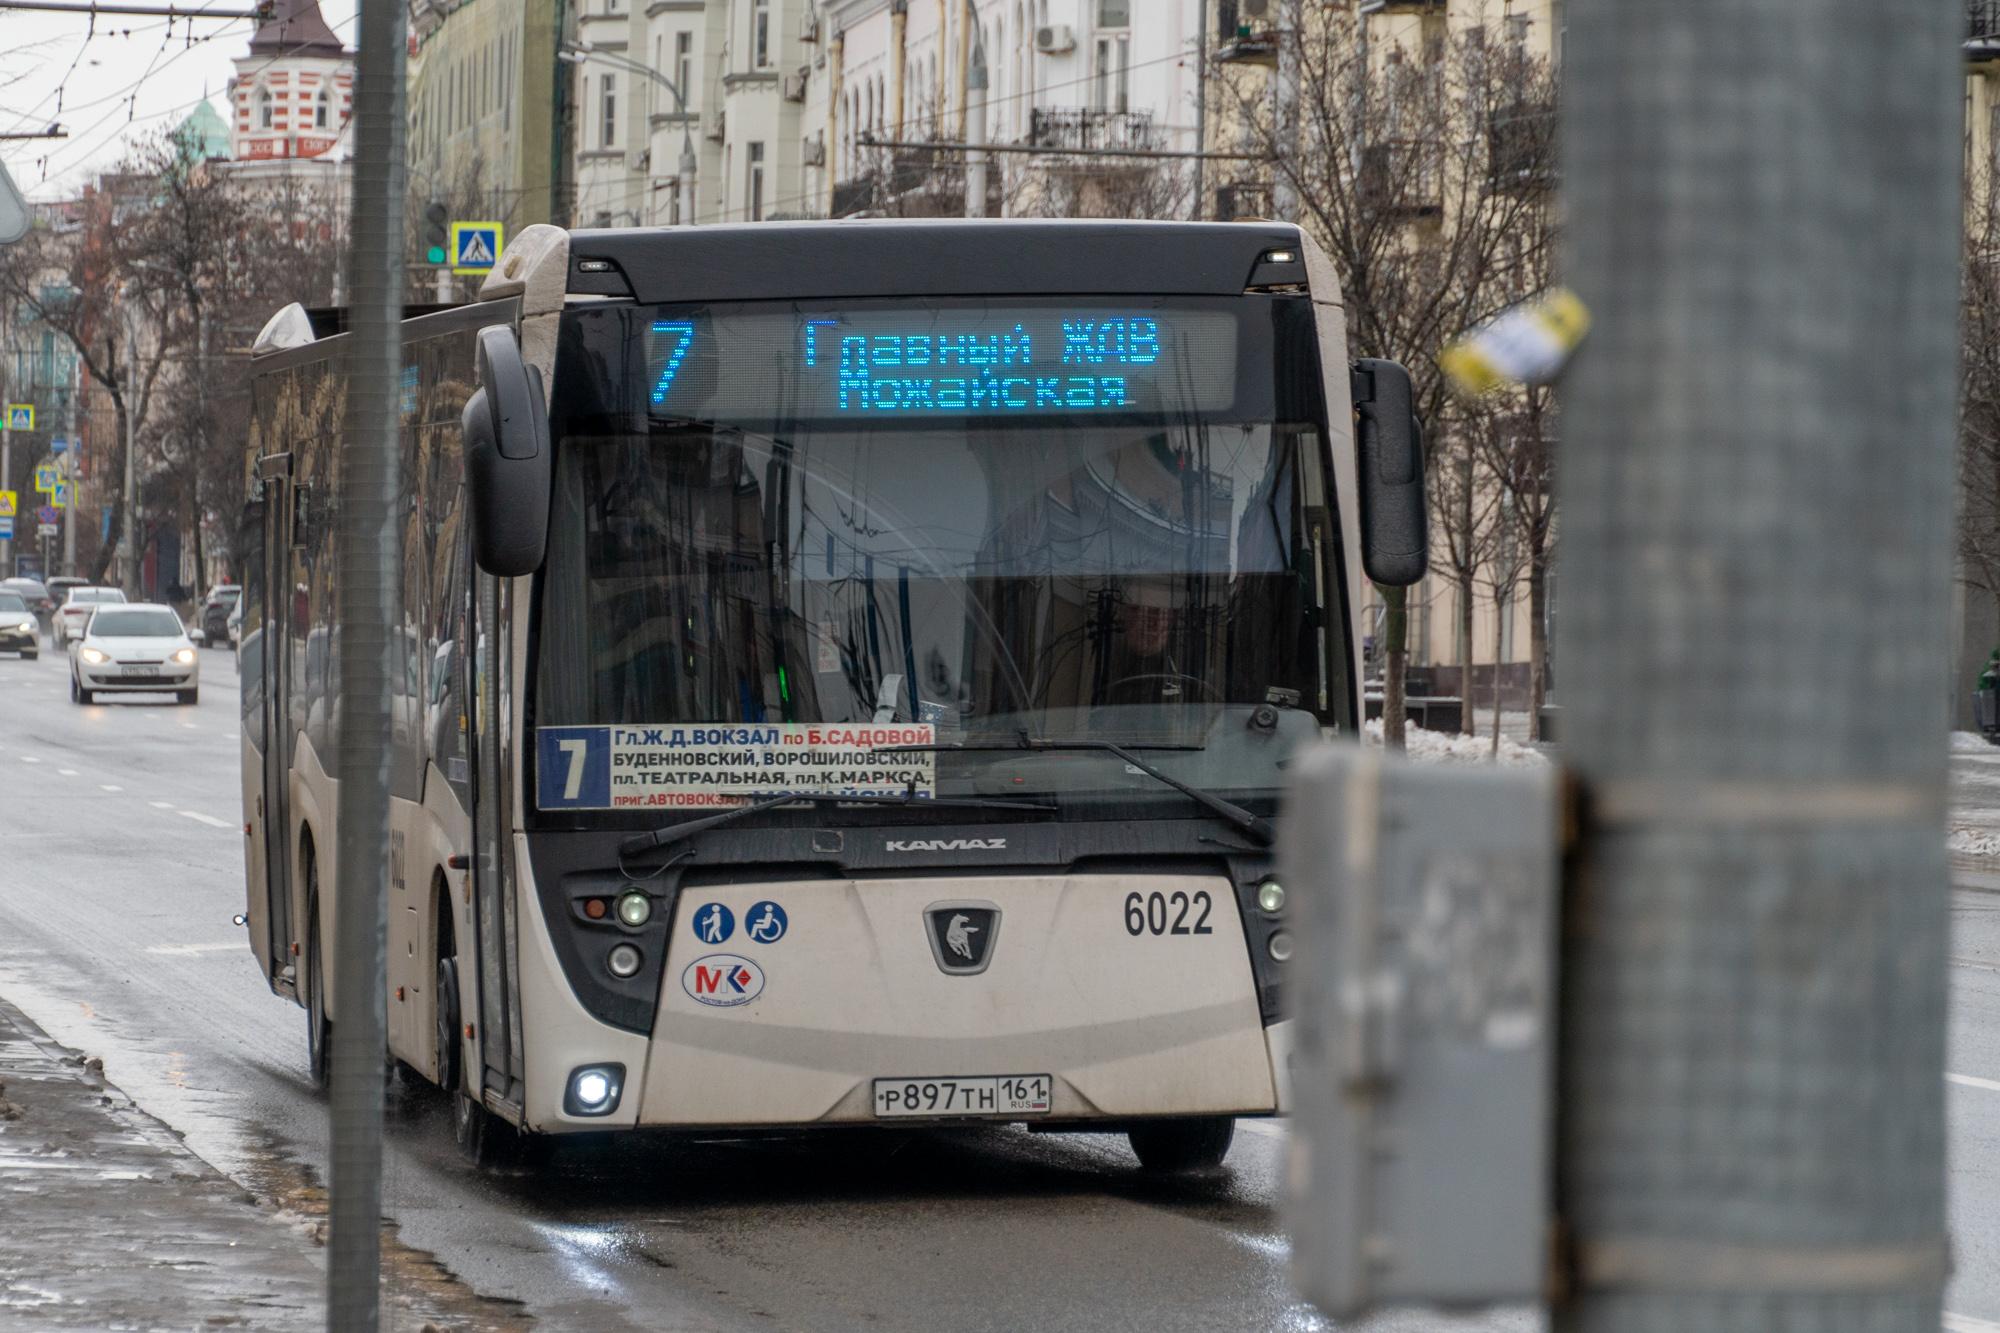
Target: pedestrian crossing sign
(20, 416)
(475, 246)
(59, 497)
(46, 477)
(9, 504)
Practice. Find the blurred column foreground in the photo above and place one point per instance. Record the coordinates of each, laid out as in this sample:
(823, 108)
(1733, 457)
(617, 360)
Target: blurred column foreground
(1763, 216)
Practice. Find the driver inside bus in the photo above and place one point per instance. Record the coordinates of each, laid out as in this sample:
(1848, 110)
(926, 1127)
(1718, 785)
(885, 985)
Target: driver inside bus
(1144, 665)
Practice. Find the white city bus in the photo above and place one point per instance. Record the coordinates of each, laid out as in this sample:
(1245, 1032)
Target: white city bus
(847, 671)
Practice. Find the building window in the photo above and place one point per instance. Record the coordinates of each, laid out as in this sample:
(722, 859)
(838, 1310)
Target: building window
(322, 106)
(1114, 13)
(684, 67)
(1112, 81)
(756, 182)
(760, 32)
(266, 108)
(607, 110)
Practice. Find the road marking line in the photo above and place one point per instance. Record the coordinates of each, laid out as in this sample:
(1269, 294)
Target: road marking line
(190, 726)
(194, 948)
(110, 786)
(30, 759)
(161, 805)
(1968, 1081)
(67, 772)
(218, 823)
(1965, 1323)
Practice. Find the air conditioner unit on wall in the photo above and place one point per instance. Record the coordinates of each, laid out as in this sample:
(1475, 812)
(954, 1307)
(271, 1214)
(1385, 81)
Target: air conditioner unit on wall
(795, 86)
(815, 155)
(1055, 39)
(809, 26)
(640, 160)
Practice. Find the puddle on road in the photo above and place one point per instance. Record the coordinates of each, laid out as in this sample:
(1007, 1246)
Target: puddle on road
(417, 1290)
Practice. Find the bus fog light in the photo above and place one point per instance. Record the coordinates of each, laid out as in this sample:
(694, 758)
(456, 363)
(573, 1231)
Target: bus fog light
(594, 1090)
(1281, 946)
(623, 960)
(1271, 897)
(635, 909)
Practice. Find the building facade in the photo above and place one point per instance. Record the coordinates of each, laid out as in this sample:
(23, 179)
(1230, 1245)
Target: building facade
(487, 106)
(291, 102)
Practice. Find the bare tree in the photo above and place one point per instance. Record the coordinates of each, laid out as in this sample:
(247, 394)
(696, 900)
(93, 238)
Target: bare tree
(1979, 397)
(1424, 173)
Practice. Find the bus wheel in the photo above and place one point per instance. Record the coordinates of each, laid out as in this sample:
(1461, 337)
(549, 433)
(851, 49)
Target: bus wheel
(447, 1025)
(319, 1029)
(1198, 1143)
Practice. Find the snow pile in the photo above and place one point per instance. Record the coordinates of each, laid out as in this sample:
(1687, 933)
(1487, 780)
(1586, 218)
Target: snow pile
(1973, 842)
(1971, 742)
(1440, 747)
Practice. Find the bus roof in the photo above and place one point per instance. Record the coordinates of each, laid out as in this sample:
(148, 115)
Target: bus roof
(936, 257)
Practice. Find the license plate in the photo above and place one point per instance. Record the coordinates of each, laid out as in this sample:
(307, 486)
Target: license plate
(1001, 1095)
(139, 671)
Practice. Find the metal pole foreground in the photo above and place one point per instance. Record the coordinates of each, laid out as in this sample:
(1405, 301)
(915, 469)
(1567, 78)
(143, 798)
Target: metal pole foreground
(367, 609)
(1763, 216)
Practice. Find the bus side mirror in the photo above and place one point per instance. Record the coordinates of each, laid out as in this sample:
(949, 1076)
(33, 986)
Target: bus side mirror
(507, 459)
(1389, 458)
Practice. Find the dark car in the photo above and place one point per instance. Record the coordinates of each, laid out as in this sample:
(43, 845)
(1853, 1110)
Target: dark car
(222, 599)
(17, 625)
(34, 594)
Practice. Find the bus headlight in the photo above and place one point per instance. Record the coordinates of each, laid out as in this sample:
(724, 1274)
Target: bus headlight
(1271, 897)
(635, 910)
(623, 960)
(1281, 947)
(594, 1090)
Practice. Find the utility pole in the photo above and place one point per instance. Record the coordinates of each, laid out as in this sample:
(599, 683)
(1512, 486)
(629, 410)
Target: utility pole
(1763, 216)
(975, 133)
(367, 607)
(69, 470)
(128, 531)
(1285, 108)
(1200, 108)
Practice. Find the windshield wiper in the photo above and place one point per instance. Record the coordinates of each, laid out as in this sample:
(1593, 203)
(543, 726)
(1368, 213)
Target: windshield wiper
(1255, 825)
(673, 833)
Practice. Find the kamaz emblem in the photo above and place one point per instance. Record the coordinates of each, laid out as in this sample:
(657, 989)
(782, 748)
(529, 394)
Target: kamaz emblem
(946, 845)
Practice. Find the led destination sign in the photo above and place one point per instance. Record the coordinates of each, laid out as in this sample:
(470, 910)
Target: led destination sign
(927, 362)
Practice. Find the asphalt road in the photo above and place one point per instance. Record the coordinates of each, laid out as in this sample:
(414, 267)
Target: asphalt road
(121, 865)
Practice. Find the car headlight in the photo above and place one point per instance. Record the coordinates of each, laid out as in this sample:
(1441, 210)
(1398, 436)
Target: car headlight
(27, 625)
(184, 656)
(93, 656)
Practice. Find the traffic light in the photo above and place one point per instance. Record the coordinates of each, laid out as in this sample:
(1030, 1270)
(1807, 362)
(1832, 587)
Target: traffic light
(437, 225)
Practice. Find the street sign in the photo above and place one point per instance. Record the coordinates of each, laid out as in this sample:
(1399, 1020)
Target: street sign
(45, 530)
(60, 494)
(475, 246)
(20, 416)
(10, 502)
(46, 477)
(46, 514)
(6, 529)
(58, 446)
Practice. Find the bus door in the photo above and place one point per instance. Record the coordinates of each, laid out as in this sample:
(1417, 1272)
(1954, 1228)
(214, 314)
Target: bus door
(274, 647)
(492, 877)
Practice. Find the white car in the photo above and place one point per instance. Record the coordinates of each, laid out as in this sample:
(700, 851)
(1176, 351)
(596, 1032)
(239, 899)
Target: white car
(141, 647)
(76, 608)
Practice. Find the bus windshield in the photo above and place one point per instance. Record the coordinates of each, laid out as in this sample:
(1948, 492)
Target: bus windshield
(786, 542)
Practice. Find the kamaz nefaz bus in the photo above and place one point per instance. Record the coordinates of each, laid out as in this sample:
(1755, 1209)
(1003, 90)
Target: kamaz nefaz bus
(847, 671)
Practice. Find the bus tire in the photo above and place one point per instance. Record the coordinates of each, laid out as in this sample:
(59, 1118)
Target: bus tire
(1172, 1147)
(448, 1059)
(319, 1027)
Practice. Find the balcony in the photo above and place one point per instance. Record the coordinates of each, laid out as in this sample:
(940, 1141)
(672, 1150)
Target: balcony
(1404, 176)
(1521, 148)
(1238, 40)
(1072, 128)
(1982, 31)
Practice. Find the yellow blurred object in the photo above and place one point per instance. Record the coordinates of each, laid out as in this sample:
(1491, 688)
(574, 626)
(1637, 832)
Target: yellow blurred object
(1528, 344)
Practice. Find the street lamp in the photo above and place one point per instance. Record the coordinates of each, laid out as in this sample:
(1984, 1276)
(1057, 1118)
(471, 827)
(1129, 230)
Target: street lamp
(580, 52)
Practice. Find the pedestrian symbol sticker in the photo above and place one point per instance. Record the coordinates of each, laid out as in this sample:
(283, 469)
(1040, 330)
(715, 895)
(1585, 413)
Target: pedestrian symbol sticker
(765, 923)
(20, 416)
(475, 246)
(9, 504)
(59, 497)
(713, 923)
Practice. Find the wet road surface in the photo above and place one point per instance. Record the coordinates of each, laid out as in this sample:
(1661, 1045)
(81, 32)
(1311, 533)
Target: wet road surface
(120, 867)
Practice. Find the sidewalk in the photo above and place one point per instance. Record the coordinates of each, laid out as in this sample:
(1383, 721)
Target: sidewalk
(111, 1223)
